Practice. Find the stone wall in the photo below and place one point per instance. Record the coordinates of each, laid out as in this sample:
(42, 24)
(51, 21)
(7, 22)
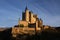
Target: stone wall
(25, 30)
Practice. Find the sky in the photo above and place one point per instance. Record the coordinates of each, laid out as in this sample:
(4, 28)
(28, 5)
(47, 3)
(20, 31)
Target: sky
(47, 10)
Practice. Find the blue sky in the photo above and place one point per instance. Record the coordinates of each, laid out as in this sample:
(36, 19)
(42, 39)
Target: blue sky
(11, 10)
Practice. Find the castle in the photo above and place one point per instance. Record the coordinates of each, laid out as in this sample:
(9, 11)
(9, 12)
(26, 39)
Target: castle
(30, 24)
(30, 20)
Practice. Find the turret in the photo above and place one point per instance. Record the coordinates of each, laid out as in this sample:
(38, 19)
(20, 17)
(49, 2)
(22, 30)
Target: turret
(19, 21)
(26, 14)
(40, 22)
(36, 28)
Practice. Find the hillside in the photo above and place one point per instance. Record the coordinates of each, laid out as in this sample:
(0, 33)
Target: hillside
(48, 34)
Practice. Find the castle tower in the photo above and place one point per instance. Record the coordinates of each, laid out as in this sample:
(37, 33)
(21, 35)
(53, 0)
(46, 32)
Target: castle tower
(40, 22)
(36, 28)
(29, 16)
(33, 18)
(26, 14)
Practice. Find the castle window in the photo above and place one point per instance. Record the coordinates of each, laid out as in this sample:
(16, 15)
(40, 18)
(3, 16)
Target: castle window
(21, 25)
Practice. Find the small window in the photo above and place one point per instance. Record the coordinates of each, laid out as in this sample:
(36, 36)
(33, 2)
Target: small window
(21, 25)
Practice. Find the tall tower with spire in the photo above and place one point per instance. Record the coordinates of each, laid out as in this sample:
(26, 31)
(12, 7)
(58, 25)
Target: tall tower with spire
(25, 15)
